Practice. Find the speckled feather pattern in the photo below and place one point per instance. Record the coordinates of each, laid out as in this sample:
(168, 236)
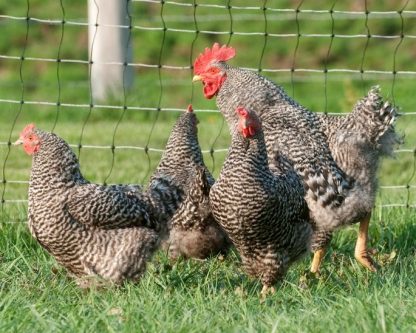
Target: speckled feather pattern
(264, 213)
(193, 232)
(337, 157)
(290, 129)
(358, 141)
(92, 230)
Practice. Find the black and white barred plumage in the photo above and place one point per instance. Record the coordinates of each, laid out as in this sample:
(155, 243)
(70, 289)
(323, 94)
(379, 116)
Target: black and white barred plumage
(318, 145)
(337, 157)
(92, 230)
(193, 232)
(358, 141)
(264, 213)
(338, 172)
(290, 129)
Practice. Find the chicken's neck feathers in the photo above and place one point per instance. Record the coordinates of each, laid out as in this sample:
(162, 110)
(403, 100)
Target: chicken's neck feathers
(55, 164)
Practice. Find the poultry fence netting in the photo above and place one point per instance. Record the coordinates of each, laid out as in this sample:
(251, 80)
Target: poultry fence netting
(326, 54)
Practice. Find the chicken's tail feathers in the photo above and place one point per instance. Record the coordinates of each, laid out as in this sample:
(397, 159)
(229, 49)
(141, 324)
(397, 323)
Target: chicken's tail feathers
(384, 111)
(386, 138)
(378, 118)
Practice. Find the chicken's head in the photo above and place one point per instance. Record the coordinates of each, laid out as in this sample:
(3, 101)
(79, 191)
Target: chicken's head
(248, 123)
(207, 71)
(29, 139)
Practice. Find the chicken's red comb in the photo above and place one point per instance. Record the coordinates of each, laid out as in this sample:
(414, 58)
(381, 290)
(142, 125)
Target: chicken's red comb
(28, 129)
(217, 53)
(246, 124)
(242, 112)
(190, 108)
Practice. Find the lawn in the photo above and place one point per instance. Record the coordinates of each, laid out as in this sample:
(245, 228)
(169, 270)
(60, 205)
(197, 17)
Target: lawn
(210, 296)
(214, 295)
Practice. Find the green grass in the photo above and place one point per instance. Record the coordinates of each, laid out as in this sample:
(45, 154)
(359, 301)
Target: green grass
(213, 296)
(216, 296)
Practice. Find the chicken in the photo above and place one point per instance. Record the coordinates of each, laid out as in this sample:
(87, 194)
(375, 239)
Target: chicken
(332, 195)
(264, 213)
(109, 232)
(358, 141)
(193, 231)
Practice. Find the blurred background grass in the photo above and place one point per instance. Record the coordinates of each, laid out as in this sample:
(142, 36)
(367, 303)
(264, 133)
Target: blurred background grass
(67, 83)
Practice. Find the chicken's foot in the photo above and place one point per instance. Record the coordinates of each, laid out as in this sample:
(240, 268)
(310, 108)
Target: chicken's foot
(361, 250)
(318, 256)
(265, 291)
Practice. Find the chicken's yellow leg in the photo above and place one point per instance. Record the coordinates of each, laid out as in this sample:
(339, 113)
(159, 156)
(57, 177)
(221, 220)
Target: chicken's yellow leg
(265, 291)
(361, 250)
(318, 256)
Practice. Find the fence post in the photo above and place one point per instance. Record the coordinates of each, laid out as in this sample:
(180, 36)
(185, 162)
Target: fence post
(109, 44)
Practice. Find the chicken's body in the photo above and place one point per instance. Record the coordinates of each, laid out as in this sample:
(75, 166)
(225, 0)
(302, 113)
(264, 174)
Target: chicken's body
(358, 141)
(290, 129)
(193, 232)
(306, 140)
(264, 213)
(92, 230)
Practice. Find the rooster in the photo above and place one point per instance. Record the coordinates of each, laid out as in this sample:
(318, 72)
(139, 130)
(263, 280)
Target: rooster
(109, 232)
(193, 231)
(264, 213)
(333, 195)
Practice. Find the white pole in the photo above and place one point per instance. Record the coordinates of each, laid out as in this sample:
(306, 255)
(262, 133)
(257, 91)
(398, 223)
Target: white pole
(109, 44)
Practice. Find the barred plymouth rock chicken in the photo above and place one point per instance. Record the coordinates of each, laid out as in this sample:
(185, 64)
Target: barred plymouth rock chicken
(108, 232)
(264, 213)
(193, 230)
(194, 233)
(357, 142)
(333, 196)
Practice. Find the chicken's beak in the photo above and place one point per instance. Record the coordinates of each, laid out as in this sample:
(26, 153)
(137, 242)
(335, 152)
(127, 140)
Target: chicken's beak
(197, 78)
(18, 142)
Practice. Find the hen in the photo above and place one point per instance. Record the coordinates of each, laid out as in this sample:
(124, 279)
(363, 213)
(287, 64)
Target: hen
(357, 142)
(333, 197)
(264, 213)
(108, 232)
(193, 230)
